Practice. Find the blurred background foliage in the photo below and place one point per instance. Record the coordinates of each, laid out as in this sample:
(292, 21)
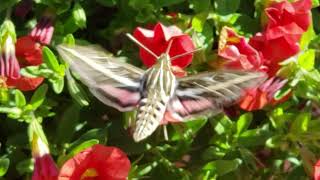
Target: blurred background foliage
(279, 142)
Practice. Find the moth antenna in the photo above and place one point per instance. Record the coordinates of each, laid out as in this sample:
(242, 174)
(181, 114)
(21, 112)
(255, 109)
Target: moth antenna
(186, 53)
(141, 45)
(169, 47)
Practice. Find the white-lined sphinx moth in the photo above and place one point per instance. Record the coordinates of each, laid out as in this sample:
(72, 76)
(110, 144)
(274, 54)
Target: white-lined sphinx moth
(156, 91)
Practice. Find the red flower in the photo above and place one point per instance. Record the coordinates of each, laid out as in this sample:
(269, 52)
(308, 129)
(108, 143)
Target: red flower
(29, 53)
(44, 167)
(277, 44)
(284, 13)
(157, 41)
(286, 24)
(259, 97)
(97, 162)
(317, 171)
(238, 54)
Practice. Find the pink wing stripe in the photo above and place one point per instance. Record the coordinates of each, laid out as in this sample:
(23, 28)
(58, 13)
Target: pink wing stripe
(123, 96)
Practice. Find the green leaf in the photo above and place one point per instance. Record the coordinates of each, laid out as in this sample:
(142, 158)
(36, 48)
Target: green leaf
(274, 142)
(229, 19)
(7, 30)
(99, 134)
(79, 16)
(50, 59)
(192, 127)
(30, 71)
(222, 167)
(300, 124)
(25, 166)
(223, 126)
(282, 93)
(4, 96)
(248, 158)
(254, 137)
(36, 131)
(19, 98)
(163, 3)
(76, 91)
(78, 149)
(198, 21)
(306, 60)
(224, 7)
(243, 122)
(307, 37)
(200, 6)
(107, 3)
(39, 96)
(58, 85)
(308, 159)
(4, 166)
(246, 25)
(315, 3)
(67, 124)
(11, 110)
(69, 40)
(5, 4)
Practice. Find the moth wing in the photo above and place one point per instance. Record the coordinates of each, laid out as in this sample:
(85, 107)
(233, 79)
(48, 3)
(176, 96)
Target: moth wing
(207, 93)
(113, 82)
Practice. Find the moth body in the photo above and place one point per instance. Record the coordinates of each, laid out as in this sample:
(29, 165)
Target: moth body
(160, 84)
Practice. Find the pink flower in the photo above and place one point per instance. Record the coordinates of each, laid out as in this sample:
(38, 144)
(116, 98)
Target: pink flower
(9, 66)
(43, 31)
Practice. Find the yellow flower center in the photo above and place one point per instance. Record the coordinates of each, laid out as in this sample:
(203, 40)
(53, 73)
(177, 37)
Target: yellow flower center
(234, 39)
(89, 173)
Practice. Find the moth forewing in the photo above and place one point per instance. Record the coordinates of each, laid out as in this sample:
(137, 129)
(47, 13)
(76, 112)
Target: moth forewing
(113, 82)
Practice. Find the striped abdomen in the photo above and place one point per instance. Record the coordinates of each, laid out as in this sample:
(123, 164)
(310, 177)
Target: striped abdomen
(150, 113)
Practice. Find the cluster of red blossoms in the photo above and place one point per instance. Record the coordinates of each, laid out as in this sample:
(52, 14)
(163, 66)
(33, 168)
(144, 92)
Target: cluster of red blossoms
(28, 52)
(278, 41)
(286, 22)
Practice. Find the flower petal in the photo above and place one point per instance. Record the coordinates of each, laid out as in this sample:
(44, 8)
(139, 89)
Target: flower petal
(105, 162)
(157, 41)
(25, 83)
